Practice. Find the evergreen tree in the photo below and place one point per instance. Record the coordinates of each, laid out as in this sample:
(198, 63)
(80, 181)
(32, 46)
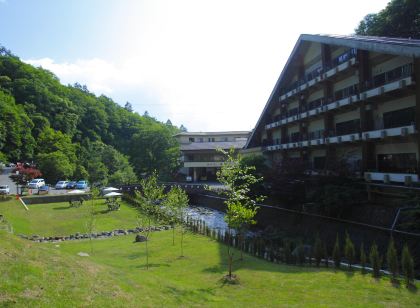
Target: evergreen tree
(337, 253)
(392, 259)
(318, 251)
(362, 258)
(128, 107)
(326, 255)
(349, 250)
(407, 264)
(375, 261)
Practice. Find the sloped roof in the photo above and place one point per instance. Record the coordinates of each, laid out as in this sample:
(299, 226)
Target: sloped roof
(225, 145)
(213, 133)
(387, 45)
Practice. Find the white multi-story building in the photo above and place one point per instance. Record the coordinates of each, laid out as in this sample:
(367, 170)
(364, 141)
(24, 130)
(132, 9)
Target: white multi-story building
(348, 102)
(199, 154)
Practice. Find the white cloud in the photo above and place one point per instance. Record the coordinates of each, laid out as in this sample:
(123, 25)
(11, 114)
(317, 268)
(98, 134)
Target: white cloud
(210, 65)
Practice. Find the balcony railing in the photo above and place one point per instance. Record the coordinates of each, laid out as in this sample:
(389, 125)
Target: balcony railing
(321, 137)
(351, 95)
(319, 72)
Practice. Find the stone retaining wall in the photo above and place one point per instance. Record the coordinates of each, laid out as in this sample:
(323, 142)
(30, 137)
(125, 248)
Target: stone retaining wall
(96, 235)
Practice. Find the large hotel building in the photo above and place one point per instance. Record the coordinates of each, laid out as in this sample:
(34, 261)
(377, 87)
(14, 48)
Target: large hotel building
(346, 101)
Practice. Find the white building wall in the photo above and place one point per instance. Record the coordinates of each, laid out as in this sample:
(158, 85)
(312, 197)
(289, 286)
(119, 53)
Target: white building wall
(346, 82)
(405, 102)
(347, 116)
(335, 53)
(294, 154)
(293, 129)
(314, 51)
(390, 64)
(293, 104)
(316, 95)
(395, 148)
(316, 125)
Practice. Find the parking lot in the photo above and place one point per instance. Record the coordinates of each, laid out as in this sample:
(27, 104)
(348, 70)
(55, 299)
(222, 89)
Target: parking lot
(5, 180)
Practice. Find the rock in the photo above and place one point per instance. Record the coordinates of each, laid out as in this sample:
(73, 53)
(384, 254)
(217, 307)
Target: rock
(140, 238)
(83, 254)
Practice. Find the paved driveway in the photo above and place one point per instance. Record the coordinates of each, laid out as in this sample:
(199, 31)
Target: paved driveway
(5, 180)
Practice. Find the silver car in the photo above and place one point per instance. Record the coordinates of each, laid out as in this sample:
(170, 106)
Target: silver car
(4, 190)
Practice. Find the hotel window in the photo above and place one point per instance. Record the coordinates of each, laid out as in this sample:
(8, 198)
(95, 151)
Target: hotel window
(399, 163)
(211, 139)
(348, 127)
(402, 117)
(191, 139)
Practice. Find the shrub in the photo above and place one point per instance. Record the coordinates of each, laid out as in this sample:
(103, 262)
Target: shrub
(326, 255)
(407, 263)
(363, 258)
(392, 259)
(349, 251)
(375, 261)
(337, 253)
(318, 251)
(287, 252)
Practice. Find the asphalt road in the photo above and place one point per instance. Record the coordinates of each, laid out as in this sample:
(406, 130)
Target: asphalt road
(5, 180)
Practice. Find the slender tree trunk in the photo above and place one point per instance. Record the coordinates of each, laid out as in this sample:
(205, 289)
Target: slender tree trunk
(241, 243)
(173, 234)
(182, 241)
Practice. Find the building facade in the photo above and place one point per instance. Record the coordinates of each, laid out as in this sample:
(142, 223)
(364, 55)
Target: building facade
(199, 154)
(346, 104)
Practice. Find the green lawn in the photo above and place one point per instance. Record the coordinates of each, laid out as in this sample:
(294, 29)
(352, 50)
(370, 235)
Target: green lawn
(60, 219)
(114, 275)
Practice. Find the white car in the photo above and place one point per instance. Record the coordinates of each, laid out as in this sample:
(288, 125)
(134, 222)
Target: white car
(36, 183)
(4, 190)
(61, 185)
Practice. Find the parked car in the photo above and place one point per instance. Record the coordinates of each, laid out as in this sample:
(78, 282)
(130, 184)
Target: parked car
(81, 184)
(36, 183)
(4, 190)
(71, 185)
(61, 185)
(43, 190)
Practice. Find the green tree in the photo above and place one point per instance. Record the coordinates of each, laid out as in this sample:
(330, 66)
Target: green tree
(241, 206)
(392, 259)
(363, 258)
(407, 264)
(55, 166)
(175, 203)
(150, 198)
(400, 18)
(337, 252)
(349, 250)
(375, 261)
(154, 148)
(318, 251)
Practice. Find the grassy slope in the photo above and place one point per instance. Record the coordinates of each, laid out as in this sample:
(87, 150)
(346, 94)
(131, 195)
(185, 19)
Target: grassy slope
(60, 219)
(53, 275)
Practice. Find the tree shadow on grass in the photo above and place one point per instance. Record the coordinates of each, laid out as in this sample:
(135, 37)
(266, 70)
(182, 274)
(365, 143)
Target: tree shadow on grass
(189, 293)
(62, 207)
(151, 265)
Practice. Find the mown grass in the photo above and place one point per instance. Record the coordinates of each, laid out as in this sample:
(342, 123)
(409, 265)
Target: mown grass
(115, 275)
(59, 219)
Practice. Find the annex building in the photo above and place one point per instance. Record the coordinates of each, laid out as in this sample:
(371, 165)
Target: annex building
(346, 103)
(199, 154)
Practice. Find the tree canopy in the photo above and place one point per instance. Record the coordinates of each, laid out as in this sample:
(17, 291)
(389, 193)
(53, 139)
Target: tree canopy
(71, 133)
(400, 18)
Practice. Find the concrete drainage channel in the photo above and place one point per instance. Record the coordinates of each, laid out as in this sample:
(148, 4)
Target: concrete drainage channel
(97, 235)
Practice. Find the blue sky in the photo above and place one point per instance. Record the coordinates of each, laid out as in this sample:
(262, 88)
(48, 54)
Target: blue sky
(209, 65)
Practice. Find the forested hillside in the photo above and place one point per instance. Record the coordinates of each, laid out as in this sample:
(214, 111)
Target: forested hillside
(71, 133)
